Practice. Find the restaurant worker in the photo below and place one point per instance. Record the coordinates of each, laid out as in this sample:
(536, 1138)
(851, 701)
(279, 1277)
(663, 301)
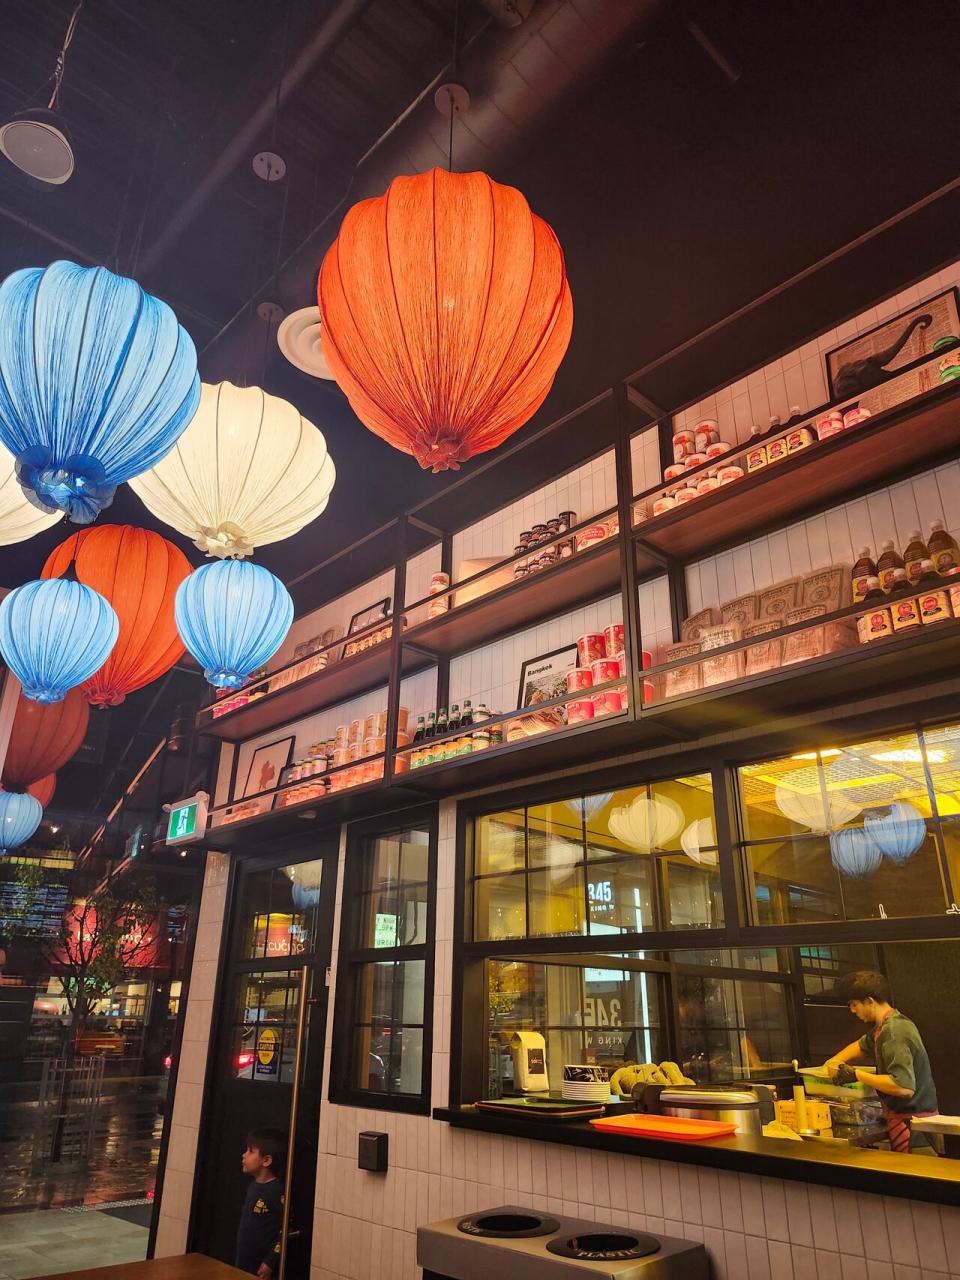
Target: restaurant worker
(902, 1077)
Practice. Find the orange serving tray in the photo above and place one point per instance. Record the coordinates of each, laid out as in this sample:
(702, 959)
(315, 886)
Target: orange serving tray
(676, 1128)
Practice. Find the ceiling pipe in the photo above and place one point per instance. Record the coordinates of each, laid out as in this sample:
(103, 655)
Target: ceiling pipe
(243, 143)
(514, 76)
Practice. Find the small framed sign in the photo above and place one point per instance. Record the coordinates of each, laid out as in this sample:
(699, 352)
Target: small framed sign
(266, 766)
(362, 621)
(364, 618)
(545, 678)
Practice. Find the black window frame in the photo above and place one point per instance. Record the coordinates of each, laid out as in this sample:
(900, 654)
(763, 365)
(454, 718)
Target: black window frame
(352, 958)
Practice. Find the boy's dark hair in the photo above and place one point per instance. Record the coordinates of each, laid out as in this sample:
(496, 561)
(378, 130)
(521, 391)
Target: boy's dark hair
(272, 1143)
(865, 984)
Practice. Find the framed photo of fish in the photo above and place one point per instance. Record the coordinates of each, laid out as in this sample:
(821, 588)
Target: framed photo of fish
(865, 365)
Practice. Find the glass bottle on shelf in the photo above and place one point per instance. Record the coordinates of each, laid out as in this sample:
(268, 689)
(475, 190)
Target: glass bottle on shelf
(454, 724)
(481, 734)
(888, 562)
(441, 722)
(872, 589)
(943, 549)
(466, 719)
(421, 730)
(900, 585)
(431, 729)
(914, 555)
(864, 568)
(496, 735)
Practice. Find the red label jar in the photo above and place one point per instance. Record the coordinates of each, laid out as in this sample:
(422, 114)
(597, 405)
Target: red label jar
(605, 669)
(613, 638)
(579, 678)
(705, 433)
(591, 647)
(683, 444)
(577, 711)
(607, 703)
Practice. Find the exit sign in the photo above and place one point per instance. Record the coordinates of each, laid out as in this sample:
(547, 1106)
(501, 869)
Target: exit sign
(187, 819)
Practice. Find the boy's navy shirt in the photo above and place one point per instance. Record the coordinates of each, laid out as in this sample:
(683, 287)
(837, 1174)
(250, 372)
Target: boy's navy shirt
(258, 1236)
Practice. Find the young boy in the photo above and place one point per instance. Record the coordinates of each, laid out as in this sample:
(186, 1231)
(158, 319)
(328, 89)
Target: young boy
(258, 1236)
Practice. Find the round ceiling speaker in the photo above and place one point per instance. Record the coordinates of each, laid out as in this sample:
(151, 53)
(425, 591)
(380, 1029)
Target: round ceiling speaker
(299, 340)
(37, 142)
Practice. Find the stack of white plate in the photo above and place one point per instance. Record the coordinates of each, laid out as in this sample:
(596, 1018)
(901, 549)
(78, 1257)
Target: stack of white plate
(581, 1091)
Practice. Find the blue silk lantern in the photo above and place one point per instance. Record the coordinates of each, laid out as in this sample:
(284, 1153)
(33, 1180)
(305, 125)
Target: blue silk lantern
(232, 616)
(589, 806)
(20, 816)
(304, 899)
(97, 381)
(854, 852)
(54, 634)
(898, 834)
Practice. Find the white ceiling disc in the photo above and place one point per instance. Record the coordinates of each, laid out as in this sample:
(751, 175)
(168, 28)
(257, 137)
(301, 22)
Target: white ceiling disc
(299, 339)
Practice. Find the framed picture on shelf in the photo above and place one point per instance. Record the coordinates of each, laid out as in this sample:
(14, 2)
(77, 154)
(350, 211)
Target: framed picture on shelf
(862, 365)
(362, 621)
(266, 766)
(545, 678)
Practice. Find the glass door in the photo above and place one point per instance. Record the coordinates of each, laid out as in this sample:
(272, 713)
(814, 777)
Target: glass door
(278, 948)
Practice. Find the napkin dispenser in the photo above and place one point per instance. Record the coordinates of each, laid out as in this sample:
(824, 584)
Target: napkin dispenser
(529, 1051)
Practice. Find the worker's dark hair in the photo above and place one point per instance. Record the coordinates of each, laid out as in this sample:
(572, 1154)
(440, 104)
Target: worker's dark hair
(272, 1143)
(865, 984)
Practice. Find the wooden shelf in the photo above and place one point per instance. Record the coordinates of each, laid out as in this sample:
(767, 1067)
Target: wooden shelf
(324, 688)
(890, 445)
(906, 662)
(587, 575)
(341, 806)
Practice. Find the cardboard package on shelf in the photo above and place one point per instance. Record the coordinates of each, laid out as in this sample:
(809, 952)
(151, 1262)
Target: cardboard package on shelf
(766, 656)
(828, 587)
(725, 666)
(685, 679)
(814, 642)
(743, 610)
(693, 627)
(776, 601)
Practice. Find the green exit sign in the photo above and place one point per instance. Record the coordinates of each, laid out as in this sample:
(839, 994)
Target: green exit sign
(187, 819)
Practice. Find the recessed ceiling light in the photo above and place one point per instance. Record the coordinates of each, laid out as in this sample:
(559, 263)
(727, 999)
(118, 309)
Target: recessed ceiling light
(812, 755)
(912, 755)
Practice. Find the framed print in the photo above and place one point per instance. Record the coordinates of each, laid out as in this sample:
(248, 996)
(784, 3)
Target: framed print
(863, 365)
(378, 612)
(266, 766)
(545, 678)
(362, 621)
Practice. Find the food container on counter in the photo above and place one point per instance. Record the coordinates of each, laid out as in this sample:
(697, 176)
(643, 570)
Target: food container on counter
(705, 433)
(853, 416)
(591, 647)
(683, 444)
(579, 678)
(707, 483)
(591, 535)
(665, 503)
(341, 738)
(354, 733)
(604, 670)
(831, 424)
(686, 494)
(730, 472)
(717, 449)
(607, 702)
(613, 638)
(674, 472)
(695, 460)
(578, 711)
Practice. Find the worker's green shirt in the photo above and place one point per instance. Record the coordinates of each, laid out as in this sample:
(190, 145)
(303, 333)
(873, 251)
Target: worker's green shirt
(899, 1053)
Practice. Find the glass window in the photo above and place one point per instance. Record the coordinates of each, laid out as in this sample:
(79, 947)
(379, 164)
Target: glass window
(386, 962)
(264, 1035)
(632, 861)
(851, 833)
(279, 911)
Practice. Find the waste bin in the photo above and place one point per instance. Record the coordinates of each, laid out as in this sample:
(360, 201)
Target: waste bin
(513, 1243)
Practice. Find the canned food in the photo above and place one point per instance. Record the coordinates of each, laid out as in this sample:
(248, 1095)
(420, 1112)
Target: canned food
(591, 647)
(855, 415)
(567, 520)
(705, 433)
(613, 638)
(666, 503)
(604, 670)
(339, 758)
(606, 703)
(717, 449)
(830, 424)
(695, 460)
(674, 472)
(577, 711)
(708, 483)
(369, 747)
(579, 678)
(355, 732)
(729, 473)
(590, 536)
(777, 450)
(686, 495)
(684, 443)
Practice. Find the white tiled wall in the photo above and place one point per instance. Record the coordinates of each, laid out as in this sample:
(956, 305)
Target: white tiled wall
(835, 536)
(589, 490)
(655, 628)
(335, 613)
(191, 1071)
(798, 378)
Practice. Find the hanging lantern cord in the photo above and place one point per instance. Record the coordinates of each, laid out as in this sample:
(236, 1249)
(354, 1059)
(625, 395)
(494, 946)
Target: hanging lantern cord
(62, 58)
(453, 77)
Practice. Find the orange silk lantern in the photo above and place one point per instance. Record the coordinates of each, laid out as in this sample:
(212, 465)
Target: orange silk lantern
(138, 572)
(44, 737)
(445, 314)
(43, 789)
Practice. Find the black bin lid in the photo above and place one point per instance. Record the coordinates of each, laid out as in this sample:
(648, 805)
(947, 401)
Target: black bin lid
(605, 1246)
(508, 1224)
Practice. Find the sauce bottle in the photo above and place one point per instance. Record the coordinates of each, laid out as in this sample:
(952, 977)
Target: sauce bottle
(914, 555)
(887, 563)
(943, 549)
(873, 589)
(900, 585)
(864, 568)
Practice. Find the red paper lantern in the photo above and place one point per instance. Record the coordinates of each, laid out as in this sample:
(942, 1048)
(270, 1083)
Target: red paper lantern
(445, 314)
(138, 572)
(43, 738)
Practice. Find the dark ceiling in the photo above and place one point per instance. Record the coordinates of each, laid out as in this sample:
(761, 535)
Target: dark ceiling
(690, 154)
